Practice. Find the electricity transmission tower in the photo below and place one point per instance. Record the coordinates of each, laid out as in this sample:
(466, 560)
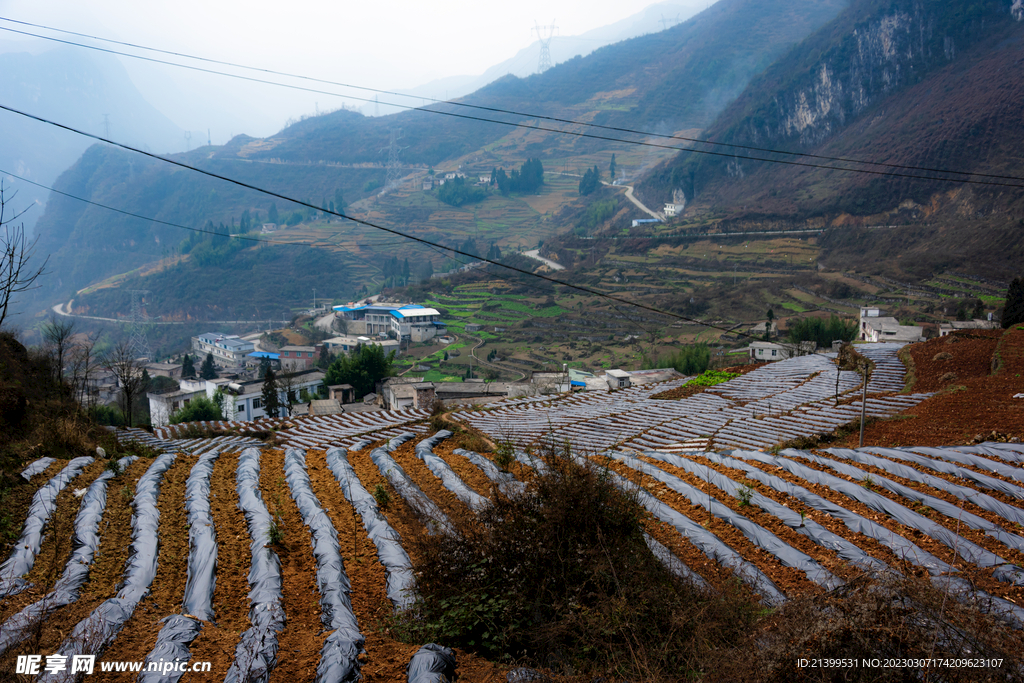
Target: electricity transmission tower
(545, 45)
(667, 23)
(393, 172)
(138, 341)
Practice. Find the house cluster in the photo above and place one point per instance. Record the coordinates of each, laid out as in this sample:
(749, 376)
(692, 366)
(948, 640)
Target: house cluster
(242, 400)
(412, 392)
(877, 327)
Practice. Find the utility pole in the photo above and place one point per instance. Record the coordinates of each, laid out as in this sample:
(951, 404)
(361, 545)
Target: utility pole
(544, 62)
(106, 126)
(188, 141)
(863, 401)
(393, 171)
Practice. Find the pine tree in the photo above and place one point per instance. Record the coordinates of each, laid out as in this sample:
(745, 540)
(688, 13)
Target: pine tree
(611, 169)
(188, 368)
(208, 370)
(1013, 310)
(271, 400)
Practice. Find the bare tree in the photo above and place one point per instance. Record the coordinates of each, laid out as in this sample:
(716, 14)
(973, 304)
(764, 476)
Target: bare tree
(128, 371)
(81, 365)
(58, 334)
(16, 275)
(287, 383)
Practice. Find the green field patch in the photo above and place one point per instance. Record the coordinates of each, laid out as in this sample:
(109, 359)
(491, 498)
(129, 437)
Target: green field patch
(790, 306)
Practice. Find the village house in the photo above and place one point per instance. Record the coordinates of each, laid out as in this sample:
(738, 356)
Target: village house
(228, 350)
(404, 322)
(348, 344)
(294, 358)
(957, 325)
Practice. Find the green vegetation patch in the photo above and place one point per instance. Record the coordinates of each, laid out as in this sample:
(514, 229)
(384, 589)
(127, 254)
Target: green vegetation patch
(710, 378)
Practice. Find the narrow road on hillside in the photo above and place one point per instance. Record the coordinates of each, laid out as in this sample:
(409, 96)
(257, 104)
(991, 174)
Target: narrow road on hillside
(637, 202)
(62, 309)
(535, 254)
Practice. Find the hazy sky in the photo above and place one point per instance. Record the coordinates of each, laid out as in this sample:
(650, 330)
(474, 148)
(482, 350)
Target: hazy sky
(388, 44)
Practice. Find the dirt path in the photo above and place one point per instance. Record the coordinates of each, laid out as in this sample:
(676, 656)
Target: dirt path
(300, 642)
(138, 637)
(216, 642)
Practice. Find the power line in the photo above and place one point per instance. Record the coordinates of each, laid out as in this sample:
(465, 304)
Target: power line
(554, 119)
(420, 240)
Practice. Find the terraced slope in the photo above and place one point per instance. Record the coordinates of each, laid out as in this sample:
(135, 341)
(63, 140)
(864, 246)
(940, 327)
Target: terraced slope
(278, 564)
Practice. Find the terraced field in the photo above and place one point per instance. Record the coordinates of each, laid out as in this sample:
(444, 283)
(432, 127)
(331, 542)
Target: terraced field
(279, 563)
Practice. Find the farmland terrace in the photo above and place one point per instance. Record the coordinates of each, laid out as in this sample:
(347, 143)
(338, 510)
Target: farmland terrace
(280, 562)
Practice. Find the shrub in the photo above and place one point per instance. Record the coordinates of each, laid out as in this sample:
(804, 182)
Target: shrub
(199, 409)
(561, 574)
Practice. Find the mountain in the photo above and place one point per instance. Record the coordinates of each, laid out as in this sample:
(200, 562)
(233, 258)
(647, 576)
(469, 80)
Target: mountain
(672, 80)
(86, 90)
(917, 83)
(652, 19)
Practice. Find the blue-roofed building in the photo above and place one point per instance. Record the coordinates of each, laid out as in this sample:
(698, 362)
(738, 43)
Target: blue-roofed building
(409, 322)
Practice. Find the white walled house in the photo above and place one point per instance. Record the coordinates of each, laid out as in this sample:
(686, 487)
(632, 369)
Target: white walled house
(229, 350)
(243, 401)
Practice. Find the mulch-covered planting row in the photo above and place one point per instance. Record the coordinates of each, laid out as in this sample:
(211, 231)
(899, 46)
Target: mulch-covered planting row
(115, 532)
(826, 558)
(974, 535)
(138, 637)
(300, 642)
(998, 495)
(1012, 555)
(18, 500)
(385, 658)
(467, 471)
(389, 658)
(216, 642)
(867, 544)
(981, 577)
(55, 549)
(787, 579)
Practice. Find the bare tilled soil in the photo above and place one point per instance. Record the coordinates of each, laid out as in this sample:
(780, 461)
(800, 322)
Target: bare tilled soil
(974, 377)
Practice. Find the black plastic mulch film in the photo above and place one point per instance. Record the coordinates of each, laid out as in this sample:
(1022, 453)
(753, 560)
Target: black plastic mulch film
(44, 502)
(93, 634)
(339, 657)
(83, 547)
(179, 630)
(256, 652)
(448, 477)
(401, 584)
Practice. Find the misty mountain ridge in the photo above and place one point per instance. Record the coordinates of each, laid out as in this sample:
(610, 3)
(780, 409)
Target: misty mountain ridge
(80, 88)
(562, 48)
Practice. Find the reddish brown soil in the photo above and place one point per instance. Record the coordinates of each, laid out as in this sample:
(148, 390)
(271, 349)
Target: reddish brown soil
(971, 402)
